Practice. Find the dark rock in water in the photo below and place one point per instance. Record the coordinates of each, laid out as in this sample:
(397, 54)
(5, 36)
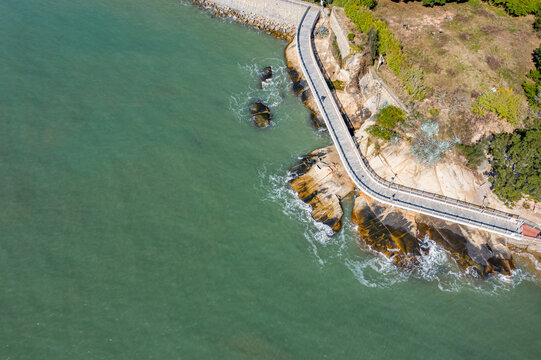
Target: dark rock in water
(261, 114)
(265, 75)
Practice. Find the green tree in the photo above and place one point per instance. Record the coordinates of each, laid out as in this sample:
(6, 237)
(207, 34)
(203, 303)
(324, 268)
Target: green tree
(373, 43)
(516, 165)
(390, 117)
(537, 57)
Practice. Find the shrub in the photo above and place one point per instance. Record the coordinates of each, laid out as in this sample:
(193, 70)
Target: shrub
(503, 102)
(474, 154)
(387, 45)
(381, 132)
(516, 165)
(513, 7)
(537, 22)
(373, 43)
(351, 36)
(322, 31)
(390, 117)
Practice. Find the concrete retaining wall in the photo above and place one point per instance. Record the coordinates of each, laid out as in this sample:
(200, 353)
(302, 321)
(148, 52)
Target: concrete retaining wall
(340, 30)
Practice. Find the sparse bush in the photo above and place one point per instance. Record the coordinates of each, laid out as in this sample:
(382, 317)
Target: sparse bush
(322, 31)
(503, 102)
(390, 117)
(434, 112)
(381, 132)
(388, 45)
(474, 154)
(425, 147)
(537, 22)
(351, 36)
(373, 43)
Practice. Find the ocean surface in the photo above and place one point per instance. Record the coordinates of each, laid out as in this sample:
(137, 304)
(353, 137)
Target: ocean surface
(143, 216)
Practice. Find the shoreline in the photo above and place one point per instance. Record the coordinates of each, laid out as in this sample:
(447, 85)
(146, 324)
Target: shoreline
(310, 188)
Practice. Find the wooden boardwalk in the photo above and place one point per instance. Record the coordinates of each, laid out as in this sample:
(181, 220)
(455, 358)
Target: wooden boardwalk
(365, 178)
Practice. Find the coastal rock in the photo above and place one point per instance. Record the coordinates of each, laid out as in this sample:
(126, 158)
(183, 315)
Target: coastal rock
(398, 235)
(265, 75)
(299, 85)
(391, 233)
(261, 114)
(320, 180)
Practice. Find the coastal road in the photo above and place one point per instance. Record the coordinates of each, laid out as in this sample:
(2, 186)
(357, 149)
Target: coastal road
(366, 179)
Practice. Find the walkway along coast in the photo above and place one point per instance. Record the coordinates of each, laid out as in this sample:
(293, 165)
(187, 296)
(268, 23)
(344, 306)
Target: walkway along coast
(305, 16)
(367, 180)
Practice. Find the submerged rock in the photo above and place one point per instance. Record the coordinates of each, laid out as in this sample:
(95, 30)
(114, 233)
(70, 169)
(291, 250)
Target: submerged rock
(261, 114)
(320, 181)
(265, 75)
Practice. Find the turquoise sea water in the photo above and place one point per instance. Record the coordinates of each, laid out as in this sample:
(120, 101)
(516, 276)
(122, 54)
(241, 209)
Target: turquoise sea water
(144, 217)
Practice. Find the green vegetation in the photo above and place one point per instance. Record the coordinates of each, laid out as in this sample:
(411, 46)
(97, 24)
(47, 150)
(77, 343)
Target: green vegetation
(474, 154)
(367, 3)
(336, 50)
(373, 43)
(338, 85)
(513, 7)
(532, 87)
(390, 117)
(537, 22)
(503, 102)
(425, 146)
(516, 165)
(388, 120)
(381, 133)
(351, 36)
(388, 45)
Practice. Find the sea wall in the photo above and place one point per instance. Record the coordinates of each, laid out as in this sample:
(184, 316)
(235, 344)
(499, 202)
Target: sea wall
(277, 17)
(340, 30)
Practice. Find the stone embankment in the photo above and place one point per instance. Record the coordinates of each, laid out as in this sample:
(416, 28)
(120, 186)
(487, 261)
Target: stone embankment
(278, 18)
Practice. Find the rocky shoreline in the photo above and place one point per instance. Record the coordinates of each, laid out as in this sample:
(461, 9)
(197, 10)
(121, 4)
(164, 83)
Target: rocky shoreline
(320, 180)
(271, 27)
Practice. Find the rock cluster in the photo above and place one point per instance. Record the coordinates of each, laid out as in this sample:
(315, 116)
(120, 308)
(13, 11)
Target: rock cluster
(396, 234)
(321, 182)
(274, 28)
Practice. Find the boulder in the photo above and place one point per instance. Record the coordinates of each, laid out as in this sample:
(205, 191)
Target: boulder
(265, 75)
(261, 114)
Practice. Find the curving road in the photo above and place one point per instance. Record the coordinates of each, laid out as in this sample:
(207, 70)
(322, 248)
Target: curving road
(366, 179)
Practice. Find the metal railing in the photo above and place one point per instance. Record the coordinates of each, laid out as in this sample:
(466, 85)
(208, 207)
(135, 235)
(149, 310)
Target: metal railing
(446, 201)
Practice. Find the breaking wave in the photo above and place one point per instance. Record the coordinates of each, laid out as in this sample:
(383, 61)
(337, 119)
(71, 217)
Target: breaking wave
(371, 268)
(272, 92)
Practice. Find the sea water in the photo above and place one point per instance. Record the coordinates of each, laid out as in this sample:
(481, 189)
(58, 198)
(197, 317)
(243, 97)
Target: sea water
(145, 217)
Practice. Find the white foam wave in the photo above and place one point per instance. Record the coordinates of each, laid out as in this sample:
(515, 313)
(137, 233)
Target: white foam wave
(371, 268)
(272, 92)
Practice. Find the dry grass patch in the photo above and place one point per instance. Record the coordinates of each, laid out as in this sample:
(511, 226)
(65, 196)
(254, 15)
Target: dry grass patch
(472, 47)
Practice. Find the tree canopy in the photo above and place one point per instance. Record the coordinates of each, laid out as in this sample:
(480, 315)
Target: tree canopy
(516, 165)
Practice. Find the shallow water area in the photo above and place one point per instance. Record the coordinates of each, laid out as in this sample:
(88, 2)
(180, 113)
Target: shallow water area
(144, 216)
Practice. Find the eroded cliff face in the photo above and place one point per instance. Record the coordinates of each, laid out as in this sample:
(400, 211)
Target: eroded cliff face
(398, 235)
(321, 181)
